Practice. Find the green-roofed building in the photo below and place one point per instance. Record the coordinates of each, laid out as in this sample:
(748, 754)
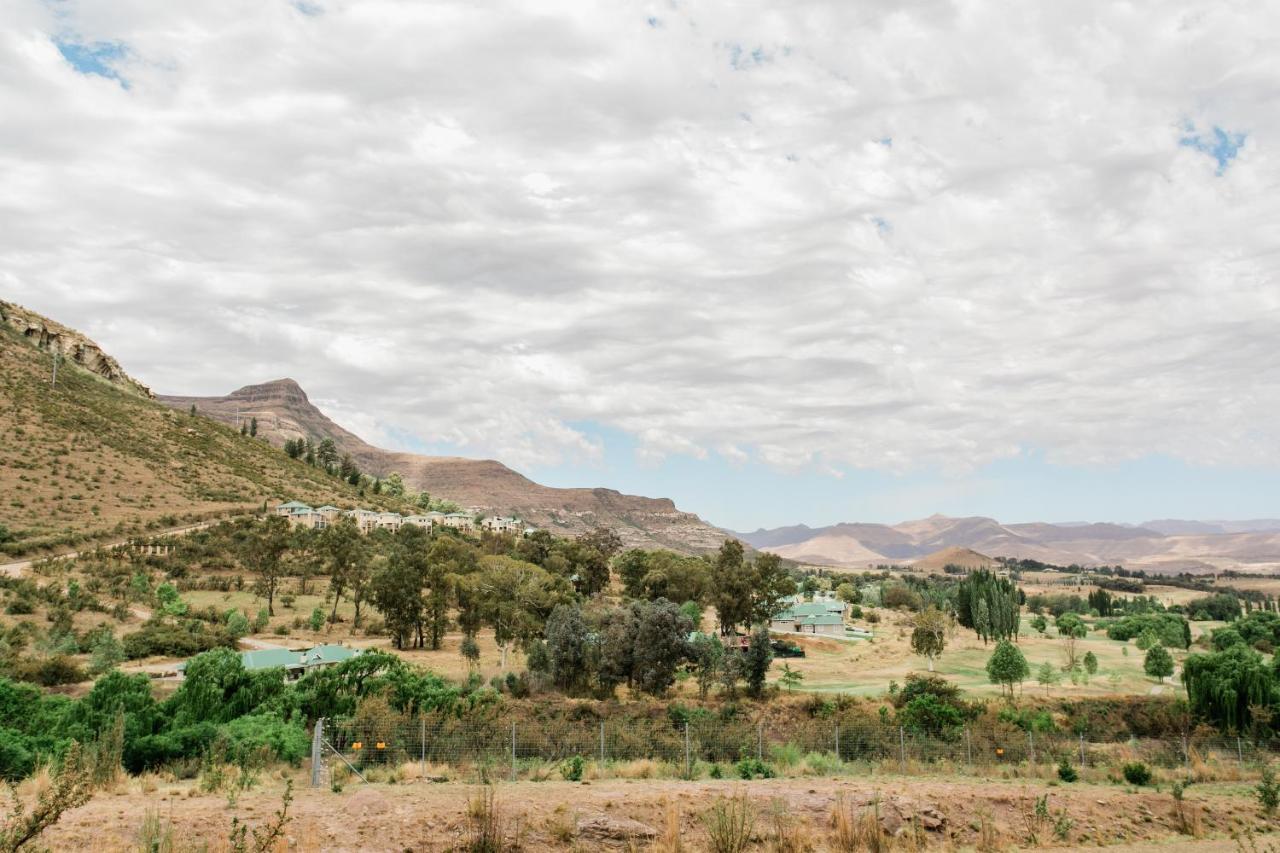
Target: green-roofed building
(294, 663)
(288, 509)
(808, 618)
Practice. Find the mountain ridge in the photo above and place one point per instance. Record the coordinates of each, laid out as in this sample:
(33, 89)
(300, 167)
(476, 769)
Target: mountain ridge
(1205, 547)
(284, 411)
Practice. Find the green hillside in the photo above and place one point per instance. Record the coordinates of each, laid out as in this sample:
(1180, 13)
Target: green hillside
(90, 461)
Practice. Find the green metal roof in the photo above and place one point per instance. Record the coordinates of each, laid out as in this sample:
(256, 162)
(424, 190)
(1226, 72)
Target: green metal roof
(260, 659)
(809, 609)
(293, 505)
(821, 619)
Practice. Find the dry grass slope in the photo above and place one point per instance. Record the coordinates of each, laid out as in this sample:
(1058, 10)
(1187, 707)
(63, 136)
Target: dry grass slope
(87, 461)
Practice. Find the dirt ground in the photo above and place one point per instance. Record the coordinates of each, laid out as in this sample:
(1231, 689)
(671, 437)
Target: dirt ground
(645, 814)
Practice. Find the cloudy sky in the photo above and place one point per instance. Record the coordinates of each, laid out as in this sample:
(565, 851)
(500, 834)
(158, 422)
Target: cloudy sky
(779, 261)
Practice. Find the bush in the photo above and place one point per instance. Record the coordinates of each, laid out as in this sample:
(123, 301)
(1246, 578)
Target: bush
(265, 733)
(1137, 773)
(571, 769)
(1066, 772)
(17, 759)
(48, 672)
(753, 768)
(161, 638)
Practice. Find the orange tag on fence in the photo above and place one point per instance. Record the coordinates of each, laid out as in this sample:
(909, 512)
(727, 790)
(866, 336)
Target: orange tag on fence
(381, 745)
(999, 750)
(356, 745)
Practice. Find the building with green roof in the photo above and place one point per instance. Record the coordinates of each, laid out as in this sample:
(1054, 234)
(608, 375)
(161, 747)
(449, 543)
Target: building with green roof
(294, 663)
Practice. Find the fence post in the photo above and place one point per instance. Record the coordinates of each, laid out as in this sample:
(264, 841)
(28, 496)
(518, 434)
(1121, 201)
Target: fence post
(422, 734)
(760, 741)
(1240, 750)
(602, 743)
(838, 758)
(1082, 749)
(1031, 746)
(902, 747)
(513, 751)
(688, 769)
(968, 748)
(317, 752)
(1186, 757)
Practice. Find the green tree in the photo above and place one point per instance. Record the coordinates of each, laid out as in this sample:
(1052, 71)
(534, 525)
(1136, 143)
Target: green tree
(567, 642)
(1047, 676)
(327, 454)
(730, 590)
(237, 624)
(989, 604)
(1226, 687)
(661, 645)
(106, 654)
(470, 650)
(929, 634)
(262, 553)
(790, 678)
(1071, 628)
(848, 593)
(1039, 624)
(393, 485)
(770, 586)
(1007, 666)
(1158, 663)
(631, 567)
(1090, 663)
(253, 427)
(756, 660)
(343, 548)
(396, 587)
(706, 654)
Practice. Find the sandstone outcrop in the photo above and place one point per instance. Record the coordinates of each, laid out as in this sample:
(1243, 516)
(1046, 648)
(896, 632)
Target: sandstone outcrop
(73, 346)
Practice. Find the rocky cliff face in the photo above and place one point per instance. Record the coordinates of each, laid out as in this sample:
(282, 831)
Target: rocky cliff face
(70, 344)
(284, 412)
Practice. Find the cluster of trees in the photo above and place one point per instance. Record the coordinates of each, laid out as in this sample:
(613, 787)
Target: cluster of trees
(1167, 629)
(324, 455)
(990, 605)
(642, 644)
(220, 712)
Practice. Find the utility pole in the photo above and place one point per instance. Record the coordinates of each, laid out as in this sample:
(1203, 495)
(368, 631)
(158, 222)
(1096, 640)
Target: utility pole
(56, 356)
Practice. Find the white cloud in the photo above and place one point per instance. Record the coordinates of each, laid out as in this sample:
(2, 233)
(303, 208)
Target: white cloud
(823, 236)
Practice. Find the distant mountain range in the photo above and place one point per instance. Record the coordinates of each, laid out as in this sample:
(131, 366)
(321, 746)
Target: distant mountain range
(284, 412)
(1157, 546)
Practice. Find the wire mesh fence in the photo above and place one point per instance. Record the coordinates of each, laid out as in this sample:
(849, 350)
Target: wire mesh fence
(505, 745)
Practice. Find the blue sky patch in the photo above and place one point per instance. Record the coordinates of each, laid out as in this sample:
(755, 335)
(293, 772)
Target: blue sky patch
(1221, 145)
(96, 58)
(308, 8)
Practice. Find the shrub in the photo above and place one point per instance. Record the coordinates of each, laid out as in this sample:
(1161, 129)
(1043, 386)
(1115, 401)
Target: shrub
(571, 769)
(1268, 791)
(1137, 773)
(254, 734)
(161, 638)
(48, 672)
(317, 619)
(729, 823)
(1066, 772)
(752, 768)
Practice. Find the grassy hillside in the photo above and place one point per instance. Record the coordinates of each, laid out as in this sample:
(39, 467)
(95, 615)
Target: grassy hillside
(90, 461)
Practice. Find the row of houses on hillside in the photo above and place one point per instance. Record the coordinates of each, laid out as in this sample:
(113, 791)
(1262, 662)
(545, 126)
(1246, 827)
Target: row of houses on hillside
(367, 520)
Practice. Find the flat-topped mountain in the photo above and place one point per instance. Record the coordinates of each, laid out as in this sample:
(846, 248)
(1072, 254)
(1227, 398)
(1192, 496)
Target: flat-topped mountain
(95, 459)
(283, 412)
(1168, 546)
